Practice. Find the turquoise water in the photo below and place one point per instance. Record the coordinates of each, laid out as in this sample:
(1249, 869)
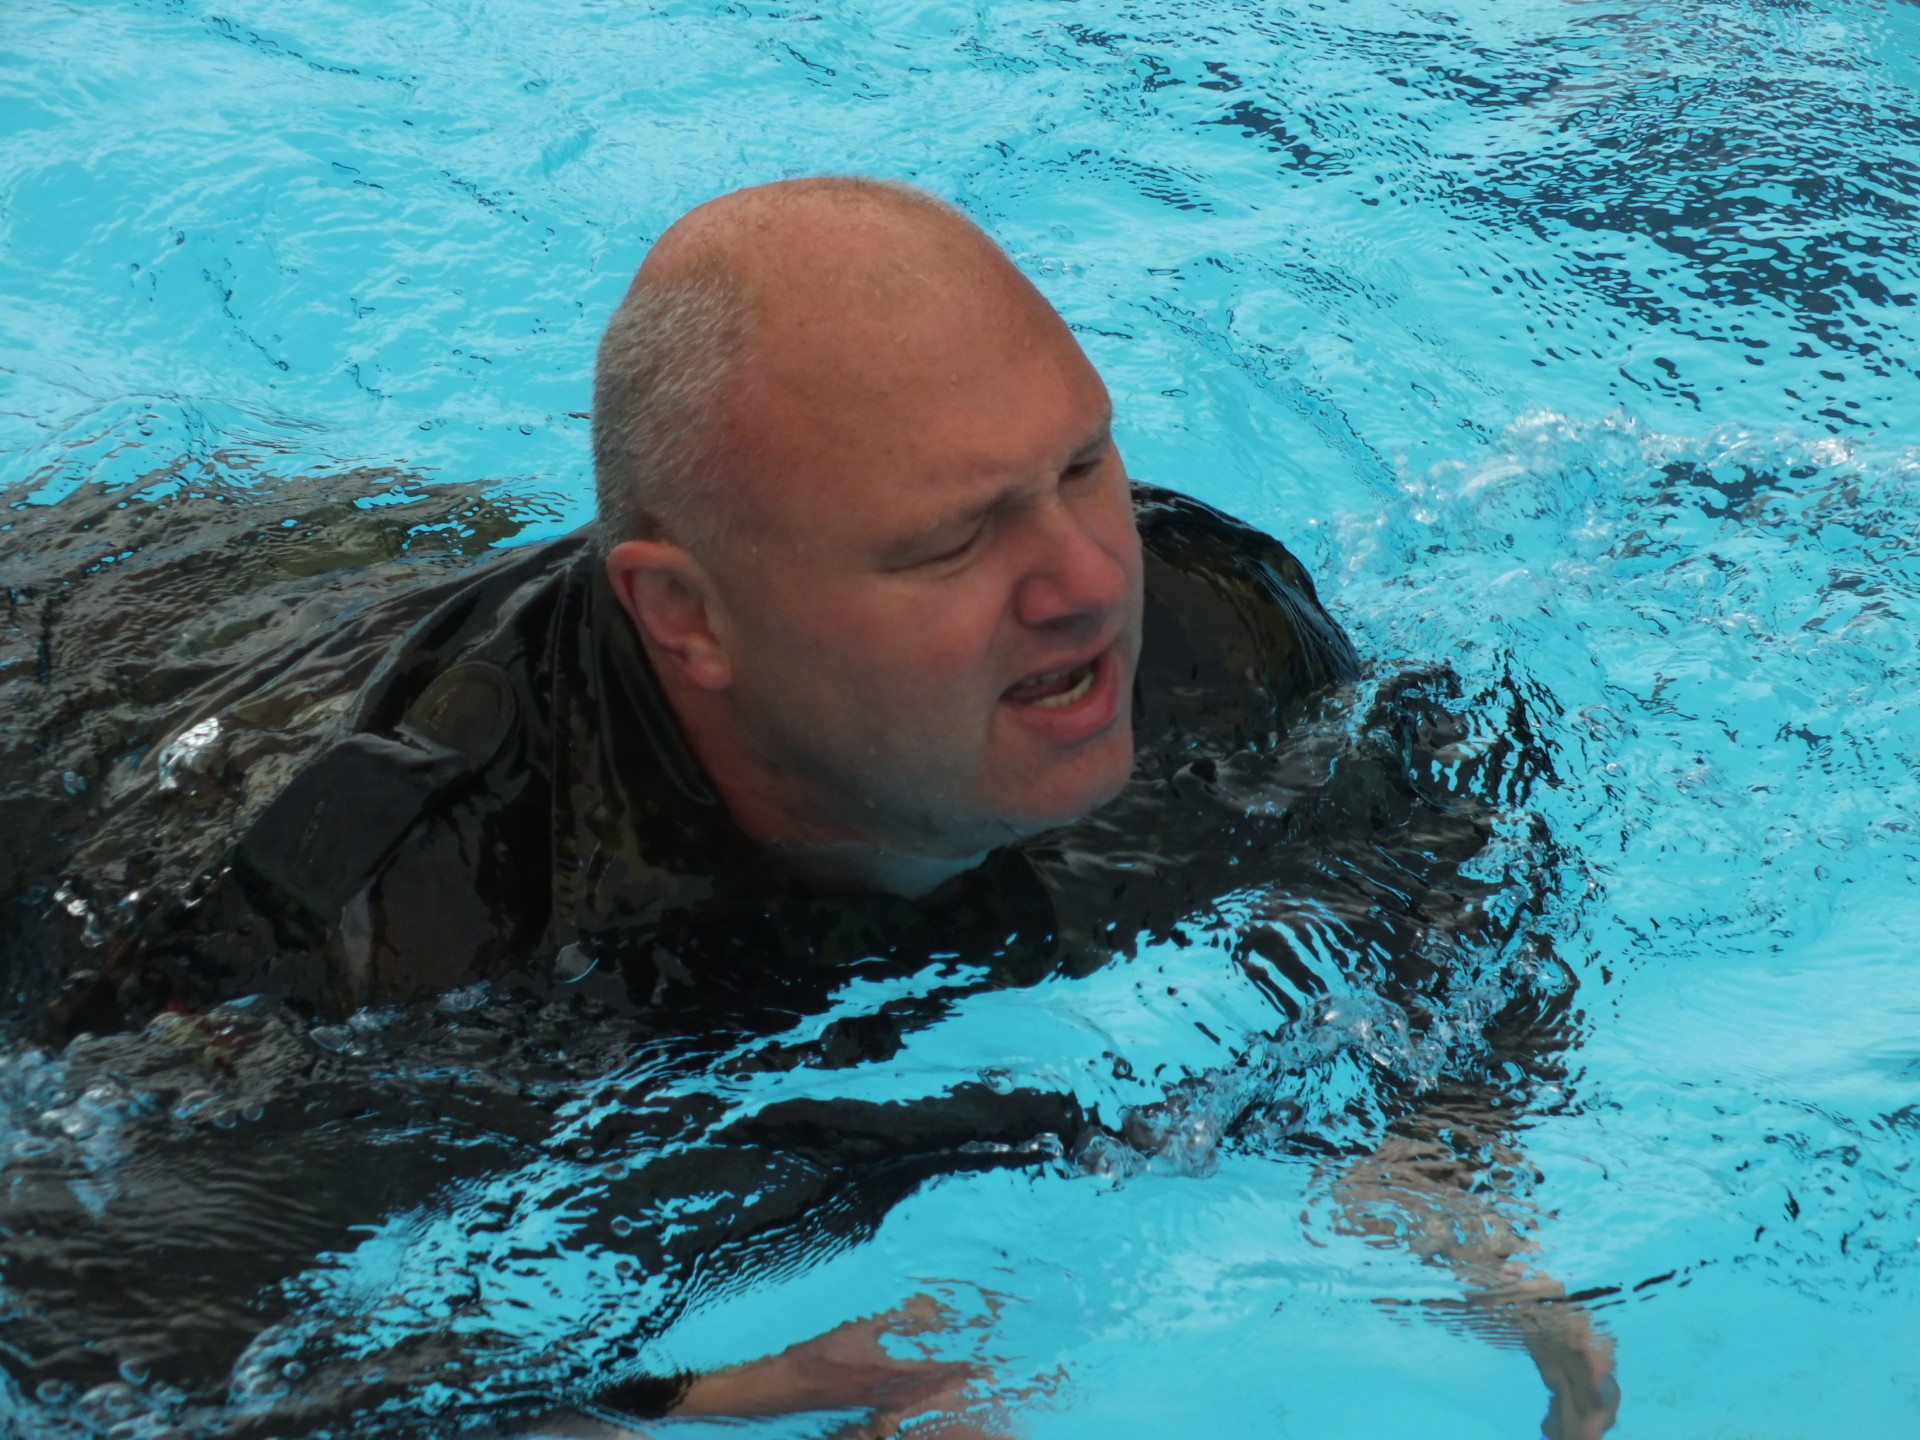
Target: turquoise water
(1571, 345)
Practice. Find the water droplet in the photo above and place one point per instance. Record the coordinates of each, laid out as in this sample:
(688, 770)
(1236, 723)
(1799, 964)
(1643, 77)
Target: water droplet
(189, 755)
(572, 963)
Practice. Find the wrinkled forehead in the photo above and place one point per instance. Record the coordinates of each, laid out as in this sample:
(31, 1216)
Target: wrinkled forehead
(891, 364)
(882, 406)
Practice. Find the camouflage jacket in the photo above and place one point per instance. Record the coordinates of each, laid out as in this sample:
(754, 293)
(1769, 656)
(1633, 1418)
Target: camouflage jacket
(478, 779)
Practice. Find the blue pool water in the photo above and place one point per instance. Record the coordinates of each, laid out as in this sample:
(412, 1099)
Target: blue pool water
(1572, 345)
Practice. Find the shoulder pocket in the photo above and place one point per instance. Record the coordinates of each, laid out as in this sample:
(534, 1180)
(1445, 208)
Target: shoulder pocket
(324, 836)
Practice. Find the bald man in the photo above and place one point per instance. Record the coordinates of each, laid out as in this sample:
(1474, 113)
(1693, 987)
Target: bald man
(874, 657)
(891, 582)
(870, 604)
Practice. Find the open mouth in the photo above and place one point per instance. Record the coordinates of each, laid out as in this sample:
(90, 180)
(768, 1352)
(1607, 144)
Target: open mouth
(1055, 690)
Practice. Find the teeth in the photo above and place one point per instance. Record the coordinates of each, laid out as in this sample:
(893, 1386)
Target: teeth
(1066, 697)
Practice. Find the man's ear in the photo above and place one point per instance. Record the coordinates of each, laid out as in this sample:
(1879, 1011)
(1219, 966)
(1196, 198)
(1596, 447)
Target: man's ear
(673, 604)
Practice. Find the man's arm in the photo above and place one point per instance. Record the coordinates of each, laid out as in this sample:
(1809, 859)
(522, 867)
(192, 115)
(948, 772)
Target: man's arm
(848, 1369)
(1440, 1186)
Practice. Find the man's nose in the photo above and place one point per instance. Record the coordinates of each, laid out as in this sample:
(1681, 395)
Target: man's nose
(1077, 573)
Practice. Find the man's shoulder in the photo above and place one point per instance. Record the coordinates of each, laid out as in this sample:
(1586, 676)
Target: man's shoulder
(1235, 632)
(1190, 534)
(300, 776)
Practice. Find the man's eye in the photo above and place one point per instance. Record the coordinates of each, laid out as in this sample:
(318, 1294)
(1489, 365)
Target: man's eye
(954, 552)
(1080, 469)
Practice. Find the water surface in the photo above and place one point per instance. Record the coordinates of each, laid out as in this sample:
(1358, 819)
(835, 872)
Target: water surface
(1570, 344)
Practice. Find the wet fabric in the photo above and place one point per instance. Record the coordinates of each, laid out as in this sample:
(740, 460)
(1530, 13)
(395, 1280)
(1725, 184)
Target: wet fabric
(459, 814)
(507, 798)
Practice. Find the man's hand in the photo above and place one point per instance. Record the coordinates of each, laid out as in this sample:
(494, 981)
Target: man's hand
(847, 1369)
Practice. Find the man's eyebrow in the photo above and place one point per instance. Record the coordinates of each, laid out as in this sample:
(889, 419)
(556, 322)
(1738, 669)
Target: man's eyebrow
(1102, 432)
(902, 548)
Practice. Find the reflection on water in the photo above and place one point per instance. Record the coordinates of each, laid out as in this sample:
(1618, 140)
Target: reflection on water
(1570, 345)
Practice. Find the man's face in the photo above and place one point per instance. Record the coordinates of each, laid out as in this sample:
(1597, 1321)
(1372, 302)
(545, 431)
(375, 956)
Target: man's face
(932, 606)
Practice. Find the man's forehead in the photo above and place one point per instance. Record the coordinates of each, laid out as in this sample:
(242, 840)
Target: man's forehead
(979, 372)
(996, 475)
(944, 486)
(894, 357)
(946, 397)
(1004, 445)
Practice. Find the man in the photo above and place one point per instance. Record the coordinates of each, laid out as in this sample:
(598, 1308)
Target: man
(864, 605)
(871, 636)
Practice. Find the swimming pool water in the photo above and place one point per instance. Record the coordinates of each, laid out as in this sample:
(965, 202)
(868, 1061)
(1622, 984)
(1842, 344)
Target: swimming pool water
(1570, 344)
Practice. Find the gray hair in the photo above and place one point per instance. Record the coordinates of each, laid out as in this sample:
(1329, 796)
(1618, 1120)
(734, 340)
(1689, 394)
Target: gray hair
(671, 352)
(668, 356)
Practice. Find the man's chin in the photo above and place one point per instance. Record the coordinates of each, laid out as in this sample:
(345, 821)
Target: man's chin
(1073, 790)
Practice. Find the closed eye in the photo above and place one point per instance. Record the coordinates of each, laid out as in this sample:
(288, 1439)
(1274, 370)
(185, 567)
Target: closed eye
(954, 552)
(941, 551)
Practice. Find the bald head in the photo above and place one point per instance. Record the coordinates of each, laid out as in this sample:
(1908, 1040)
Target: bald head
(779, 316)
(862, 505)
(803, 247)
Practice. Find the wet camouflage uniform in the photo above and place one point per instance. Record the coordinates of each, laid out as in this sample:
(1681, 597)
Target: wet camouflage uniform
(507, 798)
(368, 784)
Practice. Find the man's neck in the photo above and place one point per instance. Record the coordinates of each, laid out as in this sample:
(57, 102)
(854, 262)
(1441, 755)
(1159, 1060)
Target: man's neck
(852, 865)
(765, 806)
